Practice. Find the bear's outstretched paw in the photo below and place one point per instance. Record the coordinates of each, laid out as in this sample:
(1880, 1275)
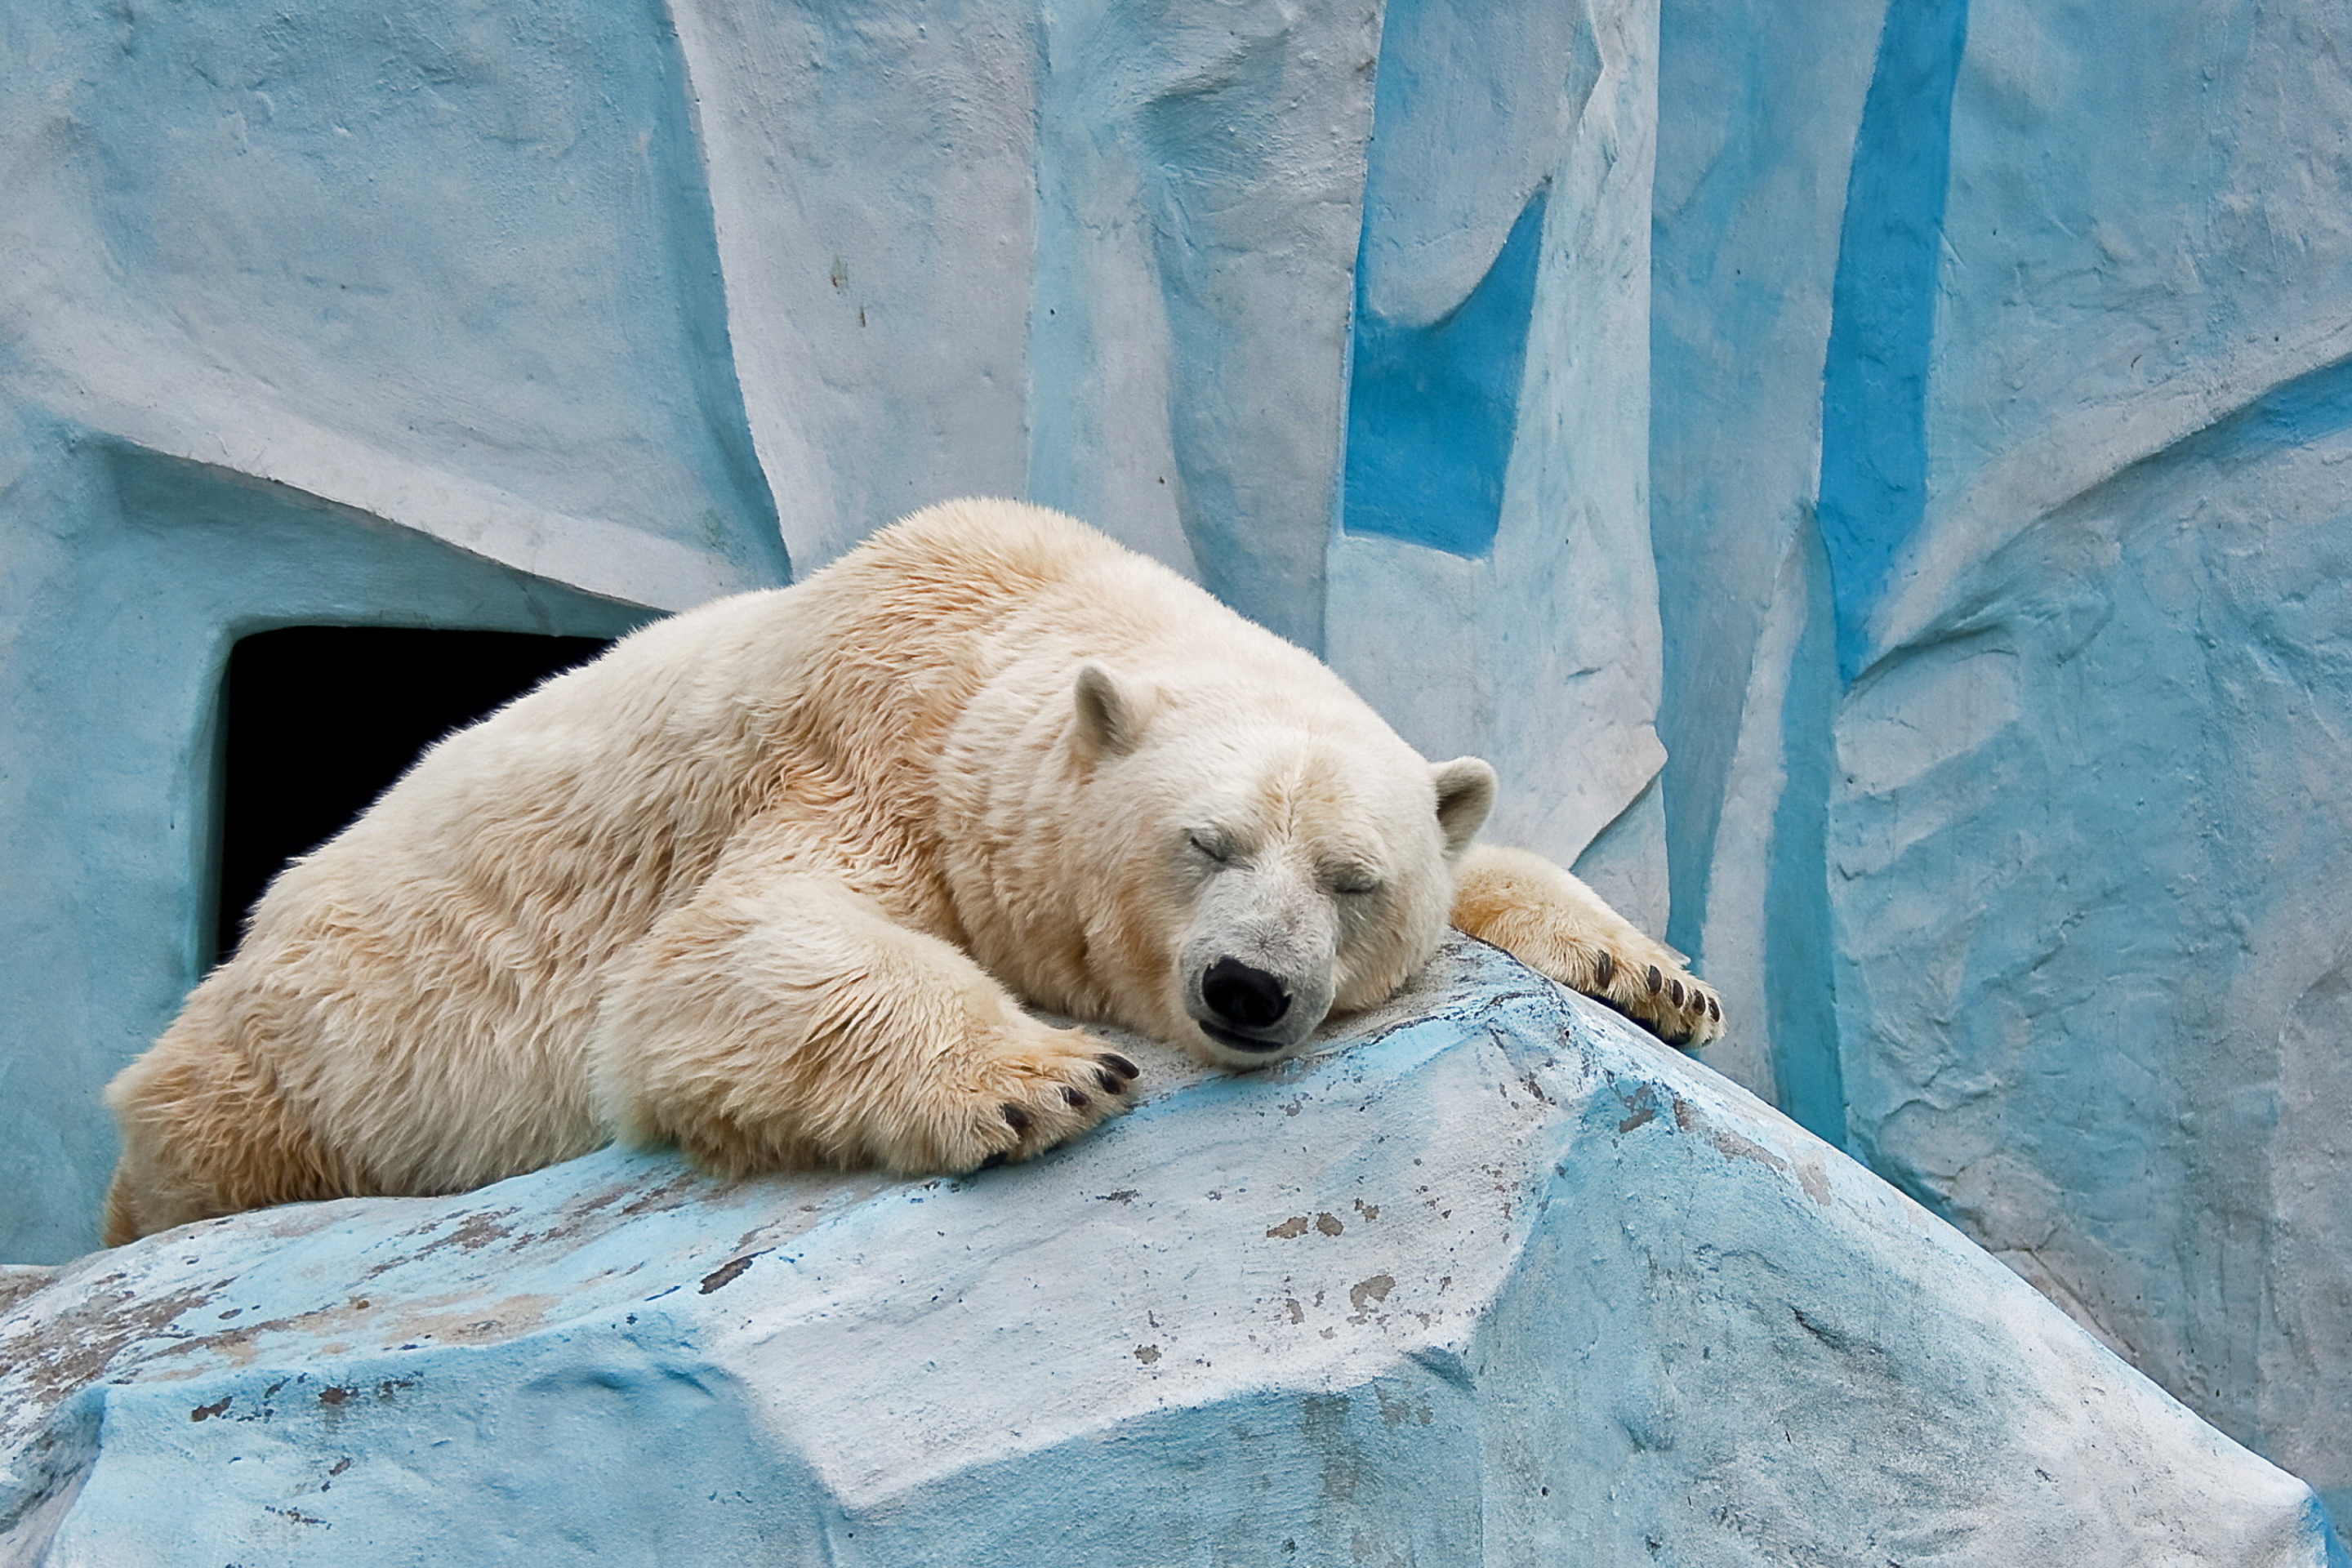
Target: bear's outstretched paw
(1030, 1096)
(1557, 926)
(1649, 987)
(1643, 979)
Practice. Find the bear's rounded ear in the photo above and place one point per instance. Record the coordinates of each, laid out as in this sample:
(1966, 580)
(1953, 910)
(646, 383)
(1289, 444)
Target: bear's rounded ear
(1111, 710)
(1465, 793)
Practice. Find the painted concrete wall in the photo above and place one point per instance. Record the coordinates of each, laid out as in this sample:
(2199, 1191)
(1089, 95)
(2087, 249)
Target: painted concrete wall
(549, 315)
(1503, 1281)
(1491, 587)
(352, 316)
(1999, 449)
(1866, 473)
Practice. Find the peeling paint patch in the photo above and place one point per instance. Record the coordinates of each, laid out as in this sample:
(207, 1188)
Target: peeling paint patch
(1813, 1178)
(1733, 1147)
(1395, 1413)
(727, 1273)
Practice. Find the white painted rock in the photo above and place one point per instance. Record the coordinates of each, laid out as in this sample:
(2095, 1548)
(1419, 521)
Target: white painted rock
(1498, 1281)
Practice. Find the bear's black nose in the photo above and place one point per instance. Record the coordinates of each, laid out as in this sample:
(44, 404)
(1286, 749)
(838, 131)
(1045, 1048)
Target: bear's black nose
(1240, 994)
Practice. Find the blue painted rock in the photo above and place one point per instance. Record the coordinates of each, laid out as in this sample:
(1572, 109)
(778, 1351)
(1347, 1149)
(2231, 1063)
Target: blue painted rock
(1492, 1278)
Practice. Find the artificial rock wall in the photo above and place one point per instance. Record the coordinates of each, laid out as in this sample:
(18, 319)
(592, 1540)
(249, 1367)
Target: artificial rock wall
(2000, 419)
(1922, 418)
(546, 316)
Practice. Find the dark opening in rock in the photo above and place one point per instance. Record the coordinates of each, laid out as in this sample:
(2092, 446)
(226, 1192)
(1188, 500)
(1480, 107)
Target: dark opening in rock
(319, 720)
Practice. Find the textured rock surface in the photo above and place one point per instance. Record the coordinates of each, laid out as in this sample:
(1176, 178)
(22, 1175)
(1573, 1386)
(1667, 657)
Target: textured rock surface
(398, 317)
(1988, 455)
(2026, 860)
(1503, 1281)
(536, 316)
(1491, 587)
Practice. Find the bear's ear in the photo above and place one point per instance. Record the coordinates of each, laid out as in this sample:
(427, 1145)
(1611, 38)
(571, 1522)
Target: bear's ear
(1465, 793)
(1111, 710)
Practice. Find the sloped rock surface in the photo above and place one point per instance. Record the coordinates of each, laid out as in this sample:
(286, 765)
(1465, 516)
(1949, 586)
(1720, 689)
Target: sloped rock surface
(2022, 563)
(1493, 1279)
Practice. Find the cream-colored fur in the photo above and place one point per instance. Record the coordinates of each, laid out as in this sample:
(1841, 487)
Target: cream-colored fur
(772, 878)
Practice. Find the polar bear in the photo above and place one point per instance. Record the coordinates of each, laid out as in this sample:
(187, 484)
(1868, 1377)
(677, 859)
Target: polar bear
(773, 880)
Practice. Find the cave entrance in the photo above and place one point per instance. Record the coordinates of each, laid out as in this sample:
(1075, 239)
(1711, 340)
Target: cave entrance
(319, 720)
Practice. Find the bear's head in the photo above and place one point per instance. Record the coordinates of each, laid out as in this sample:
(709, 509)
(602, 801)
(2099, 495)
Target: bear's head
(1251, 859)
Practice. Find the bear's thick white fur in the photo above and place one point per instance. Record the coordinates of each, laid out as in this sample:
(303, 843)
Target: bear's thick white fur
(773, 880)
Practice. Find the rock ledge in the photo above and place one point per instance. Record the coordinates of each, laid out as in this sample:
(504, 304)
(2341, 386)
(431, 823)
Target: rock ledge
(1501, 1281)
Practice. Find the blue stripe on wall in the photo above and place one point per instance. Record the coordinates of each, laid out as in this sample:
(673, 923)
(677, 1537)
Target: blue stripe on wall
(1874, 489)
(1800, 1004)
(1432, 409)
(2310, 408)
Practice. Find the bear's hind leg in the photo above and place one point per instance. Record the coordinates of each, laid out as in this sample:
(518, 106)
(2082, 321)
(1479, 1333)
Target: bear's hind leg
(120, 1223)
(1556, 925)
(787, 1021)
(205, 1130)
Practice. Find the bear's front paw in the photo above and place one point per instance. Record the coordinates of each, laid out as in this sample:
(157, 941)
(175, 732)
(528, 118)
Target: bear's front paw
(1649, 987)
(1557, 926)
(1030, 1089)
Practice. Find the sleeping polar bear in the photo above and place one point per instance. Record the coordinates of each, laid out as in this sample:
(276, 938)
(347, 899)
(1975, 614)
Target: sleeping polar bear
(773, 880)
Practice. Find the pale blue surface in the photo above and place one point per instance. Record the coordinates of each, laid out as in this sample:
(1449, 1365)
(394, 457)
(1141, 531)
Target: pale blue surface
(276, 289)
(2000, 435)
(133, 591)
(1505, 1283)
(1928, 421)
(562, 296)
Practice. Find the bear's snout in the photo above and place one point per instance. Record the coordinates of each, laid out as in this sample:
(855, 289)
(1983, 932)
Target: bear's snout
(1244, 997)
(1256, 972)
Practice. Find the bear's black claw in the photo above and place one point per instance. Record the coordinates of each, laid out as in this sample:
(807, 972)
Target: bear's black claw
(1657, 981)
(1015, 1117)
(1119, 1065)
(1111, 1082)
(994, 1160)
(1078, 1102)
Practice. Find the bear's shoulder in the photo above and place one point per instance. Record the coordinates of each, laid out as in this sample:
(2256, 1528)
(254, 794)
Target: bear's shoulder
(1009, 543)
